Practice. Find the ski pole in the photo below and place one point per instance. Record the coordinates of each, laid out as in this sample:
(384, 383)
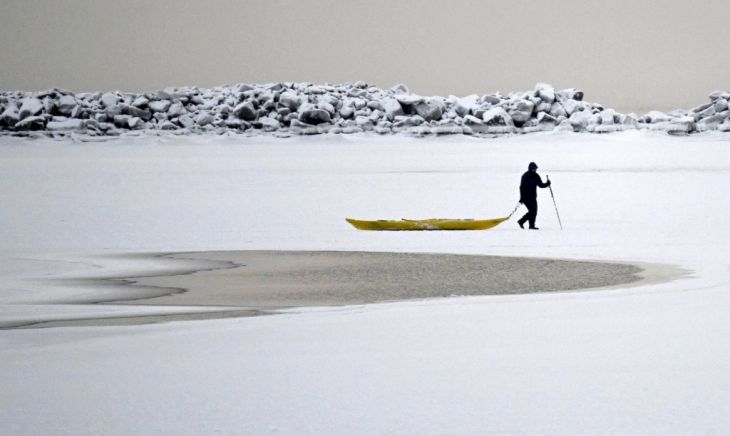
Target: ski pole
(555, 204)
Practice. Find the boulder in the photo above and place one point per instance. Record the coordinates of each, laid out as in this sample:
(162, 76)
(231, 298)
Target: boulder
(707, 112)
(233, 123)
(282, 112)
(49, 105)
(546, 118)
(140, 101)
(607, 117)
(269, 124)
(109, 99)
(720, 105)
(31, 123)
(543, 107)
(656, 117)
(204, 118)
(431, 109)
(122, 121)
(29, 106)
(313, 115)
(167, 125)
(328, 107)
(572, 106)
(136, 112)
(176, 109)
(69, 124)
(580, 120)
(376, 105)
(364, 123)
(290, 100)
(10, 115)
(383, 127)
(163, 95)
(329, 99)
(245, 111)
(159, 105)
(497, 116)
(474, 125)
(357, 103)
(545, 92)
(347, 112)
(408, 121)
(557, 110)
(628, 121)
(186, 121)
(466, 105)
(400, 89)
(136, 123)
(492, 99)
(91, 124)
(521, 110)
(570, 94)
(714, 95)
(676, 126)
(392, 108)
(66, 104)
(702, 107)
(409, 102)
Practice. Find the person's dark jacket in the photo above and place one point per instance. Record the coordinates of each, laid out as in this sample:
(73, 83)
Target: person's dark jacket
(528, 186)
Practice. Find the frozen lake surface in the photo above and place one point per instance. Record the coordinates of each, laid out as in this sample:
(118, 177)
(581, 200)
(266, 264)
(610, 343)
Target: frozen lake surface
(648, 359)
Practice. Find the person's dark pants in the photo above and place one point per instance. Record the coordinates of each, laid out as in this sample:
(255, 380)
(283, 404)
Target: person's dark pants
(531, 214)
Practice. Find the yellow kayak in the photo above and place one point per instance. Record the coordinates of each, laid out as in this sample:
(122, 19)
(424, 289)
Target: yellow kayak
(428, 224)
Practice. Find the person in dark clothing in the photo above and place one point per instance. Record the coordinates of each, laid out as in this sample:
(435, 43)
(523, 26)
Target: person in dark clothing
(528, 194)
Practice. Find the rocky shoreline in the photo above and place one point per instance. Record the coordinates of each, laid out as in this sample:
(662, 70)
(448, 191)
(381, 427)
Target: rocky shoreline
(307, 109)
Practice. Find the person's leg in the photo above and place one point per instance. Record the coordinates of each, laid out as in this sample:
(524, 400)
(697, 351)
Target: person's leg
(524, 218)
(533, 214)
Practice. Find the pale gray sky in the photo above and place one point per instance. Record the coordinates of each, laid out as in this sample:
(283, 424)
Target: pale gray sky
(627, 54)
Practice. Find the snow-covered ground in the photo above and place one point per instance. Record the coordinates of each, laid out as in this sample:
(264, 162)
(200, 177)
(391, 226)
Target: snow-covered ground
(644, 360)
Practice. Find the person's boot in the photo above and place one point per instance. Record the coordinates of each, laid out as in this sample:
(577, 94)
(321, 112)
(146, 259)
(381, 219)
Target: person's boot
(521, 224)
(534, 228)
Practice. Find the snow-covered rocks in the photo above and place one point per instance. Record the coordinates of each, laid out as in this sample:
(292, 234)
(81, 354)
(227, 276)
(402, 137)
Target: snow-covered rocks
(305, 108)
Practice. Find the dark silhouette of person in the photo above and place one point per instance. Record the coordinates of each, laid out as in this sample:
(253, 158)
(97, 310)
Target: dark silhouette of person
(528, 194)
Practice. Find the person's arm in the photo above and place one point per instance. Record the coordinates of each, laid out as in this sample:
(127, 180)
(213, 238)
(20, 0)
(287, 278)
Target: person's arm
(522, 190)
(540, 183)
